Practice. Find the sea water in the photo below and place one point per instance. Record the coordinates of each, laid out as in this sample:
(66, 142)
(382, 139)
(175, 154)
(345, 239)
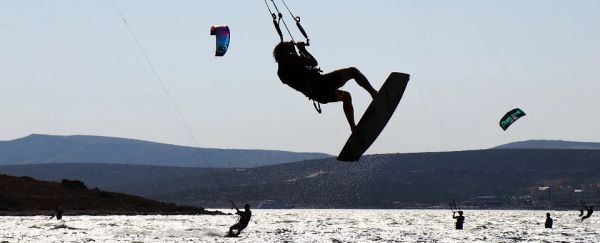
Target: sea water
(307, 225)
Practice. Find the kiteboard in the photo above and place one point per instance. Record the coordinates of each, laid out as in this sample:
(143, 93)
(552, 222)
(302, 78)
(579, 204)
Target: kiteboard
(375, 118)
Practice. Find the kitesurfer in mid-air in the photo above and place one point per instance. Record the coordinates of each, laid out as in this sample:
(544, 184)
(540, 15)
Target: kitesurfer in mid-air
(589, 212)
(298, 69)
(243, 220)
(460, 219)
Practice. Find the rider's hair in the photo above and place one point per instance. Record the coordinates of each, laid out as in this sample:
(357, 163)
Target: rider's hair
(282, 49)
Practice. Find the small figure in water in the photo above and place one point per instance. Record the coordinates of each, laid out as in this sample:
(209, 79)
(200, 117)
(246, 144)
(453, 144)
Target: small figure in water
(549, 221)
(58, 212)
(460, 219)
(300, 72)
(589, 210)
(242, 222)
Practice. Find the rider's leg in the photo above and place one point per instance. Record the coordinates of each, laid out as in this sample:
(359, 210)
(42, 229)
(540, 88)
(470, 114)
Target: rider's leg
(346, 99)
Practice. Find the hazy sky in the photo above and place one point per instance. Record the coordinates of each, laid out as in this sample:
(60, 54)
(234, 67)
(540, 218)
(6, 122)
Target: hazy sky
(71, 67)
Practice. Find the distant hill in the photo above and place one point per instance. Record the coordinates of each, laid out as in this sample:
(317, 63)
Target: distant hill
(509, 177)
(549, 144)
(26, 196)
(38, 149)
(105, 176)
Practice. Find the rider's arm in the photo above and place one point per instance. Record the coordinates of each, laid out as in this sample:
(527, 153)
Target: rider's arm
(233, 204)
(300, 61)
(308, 58)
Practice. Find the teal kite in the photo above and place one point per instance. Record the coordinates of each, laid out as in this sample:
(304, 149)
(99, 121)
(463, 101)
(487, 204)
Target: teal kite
(511, 117)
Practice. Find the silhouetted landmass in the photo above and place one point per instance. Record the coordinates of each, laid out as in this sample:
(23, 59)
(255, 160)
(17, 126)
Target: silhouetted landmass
(73, 184)
(38, 149)
(509, 178)
(549, 144)
(27, 196)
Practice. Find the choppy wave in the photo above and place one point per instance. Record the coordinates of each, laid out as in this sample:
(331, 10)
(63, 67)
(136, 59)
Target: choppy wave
(309, 226)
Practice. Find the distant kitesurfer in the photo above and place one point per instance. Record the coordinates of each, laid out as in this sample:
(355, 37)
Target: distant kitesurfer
(298, 69)
(589, 212)
(58, 212)
(243, 220)
(549, 221)
(460, 219)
